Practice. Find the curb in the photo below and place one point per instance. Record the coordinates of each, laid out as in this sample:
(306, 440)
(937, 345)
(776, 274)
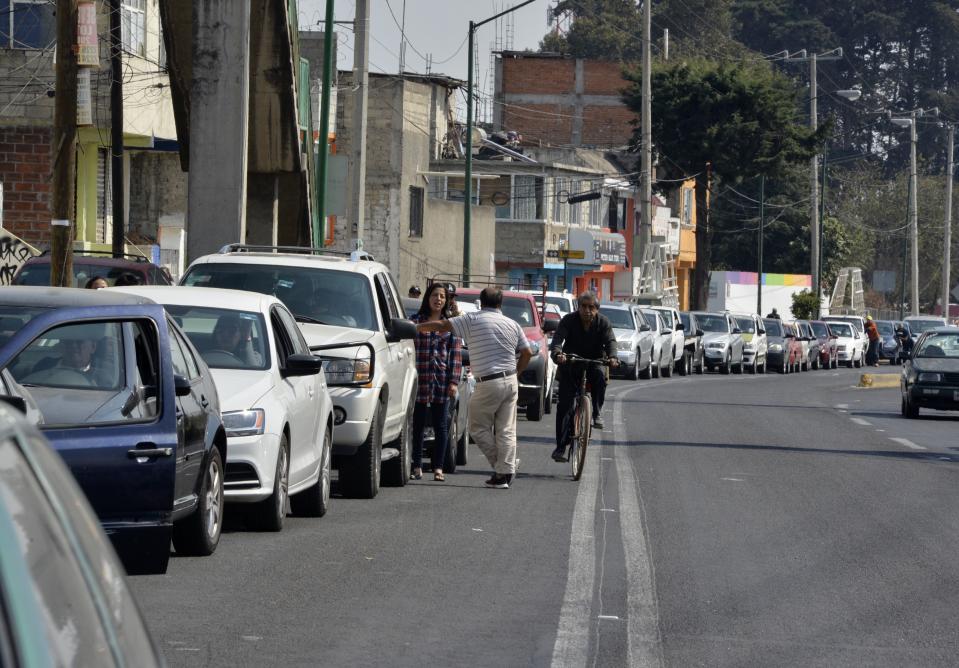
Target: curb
(879, 380)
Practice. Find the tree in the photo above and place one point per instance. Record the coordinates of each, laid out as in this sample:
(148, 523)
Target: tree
(805, 305)
(600, 29)
(731, 121)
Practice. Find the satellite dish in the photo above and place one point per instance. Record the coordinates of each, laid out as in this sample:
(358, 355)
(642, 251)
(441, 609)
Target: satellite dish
(478, 135)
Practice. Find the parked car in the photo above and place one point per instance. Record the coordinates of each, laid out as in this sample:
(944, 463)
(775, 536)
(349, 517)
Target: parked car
(350, 312)
(828, 352)
(536, 381)
(139, 427)
(810, 345)
(65, 598)
(930, 376)
(859, 323)
(634, 344)
(797, 352)
(129, 270)
(723, 340)
(919, 324)
(755, 343)
(693, 337)
(782, 351)
(889, 347)
(662, 344)
(277, 410)
(849, 342)
(674, 322)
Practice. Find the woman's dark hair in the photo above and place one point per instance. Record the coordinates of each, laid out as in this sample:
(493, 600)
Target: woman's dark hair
(93, 280)
(425, 309)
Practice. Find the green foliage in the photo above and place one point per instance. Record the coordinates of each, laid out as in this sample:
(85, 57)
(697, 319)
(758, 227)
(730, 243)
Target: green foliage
(805, 305)
(600, 29)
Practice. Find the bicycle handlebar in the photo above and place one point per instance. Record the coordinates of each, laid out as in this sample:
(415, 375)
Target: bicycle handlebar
(572, 357)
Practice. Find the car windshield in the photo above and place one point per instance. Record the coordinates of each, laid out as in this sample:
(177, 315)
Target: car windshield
(885, 328)
(747, 325)
(561, 302)
(819, 329)
(39, 274)
(709, 322)
(519, 310)
(920, 326)
(841, 329)
(619, 318)
(854, 321)
(940, 345)
(652, 319)
(226, 339)
(774, 327)
(322, 296)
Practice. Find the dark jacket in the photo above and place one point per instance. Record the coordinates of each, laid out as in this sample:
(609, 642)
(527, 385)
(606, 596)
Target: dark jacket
(593, 343)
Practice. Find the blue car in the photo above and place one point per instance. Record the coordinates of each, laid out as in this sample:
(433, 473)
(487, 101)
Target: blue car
(129, 405)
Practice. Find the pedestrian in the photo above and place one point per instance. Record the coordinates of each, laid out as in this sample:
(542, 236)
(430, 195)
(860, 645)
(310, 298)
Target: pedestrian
(774, 314)
(494, 341)
(451, 298)
(872, 332)
(438, 365)
(414, 292)
(97, 283)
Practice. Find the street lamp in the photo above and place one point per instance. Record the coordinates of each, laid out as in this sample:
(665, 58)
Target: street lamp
(468, 172)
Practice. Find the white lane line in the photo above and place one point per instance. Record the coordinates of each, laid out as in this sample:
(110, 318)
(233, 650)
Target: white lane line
(842, 406)
(644, 645)
(906, 442)
(572, 636)
(860, 421)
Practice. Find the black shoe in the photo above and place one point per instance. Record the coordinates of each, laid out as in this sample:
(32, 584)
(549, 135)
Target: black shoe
(597, 422)
(559, 455)
(500, 481)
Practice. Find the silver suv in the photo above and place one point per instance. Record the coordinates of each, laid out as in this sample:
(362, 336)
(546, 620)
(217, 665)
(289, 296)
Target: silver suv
(351, 314)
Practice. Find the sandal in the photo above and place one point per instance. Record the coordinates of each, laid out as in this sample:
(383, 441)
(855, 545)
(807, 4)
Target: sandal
(417, 474)
(438, 476)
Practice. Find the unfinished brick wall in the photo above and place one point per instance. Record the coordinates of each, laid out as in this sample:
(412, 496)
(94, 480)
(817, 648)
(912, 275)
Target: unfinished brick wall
(25, 173)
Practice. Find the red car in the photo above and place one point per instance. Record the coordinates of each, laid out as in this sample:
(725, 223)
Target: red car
(536, 381)
(796, 357)
(828, 352)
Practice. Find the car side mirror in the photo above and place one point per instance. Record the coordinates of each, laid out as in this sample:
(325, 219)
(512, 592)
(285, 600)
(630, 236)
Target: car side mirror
(465, 356)
(550, 326)
(400, 329)
(700, 332)
(302, 365)
(18, 403)
(679, 327)
(736, 330)
(181, 385)
(762, 332)
(644, 327)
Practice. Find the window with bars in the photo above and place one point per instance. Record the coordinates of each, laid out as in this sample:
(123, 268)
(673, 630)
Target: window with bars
(104, 195)
(528, 198)
(133, 26)
(416, 211)
(27, 24)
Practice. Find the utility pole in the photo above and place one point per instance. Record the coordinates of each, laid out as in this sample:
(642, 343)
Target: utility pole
(361, 63)
(116, 129)
(325, 96)
(947, 230)
(822, 233)
(762, 221)
(403, 40)
(646, 175)
(63, 197)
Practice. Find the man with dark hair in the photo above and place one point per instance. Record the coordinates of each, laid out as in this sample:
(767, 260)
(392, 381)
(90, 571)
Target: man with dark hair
(494, 341)
(587, 333)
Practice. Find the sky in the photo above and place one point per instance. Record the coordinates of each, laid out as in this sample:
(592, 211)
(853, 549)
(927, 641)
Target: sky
(436, 27)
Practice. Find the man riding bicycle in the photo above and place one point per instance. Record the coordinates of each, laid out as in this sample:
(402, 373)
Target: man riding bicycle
(586, 333)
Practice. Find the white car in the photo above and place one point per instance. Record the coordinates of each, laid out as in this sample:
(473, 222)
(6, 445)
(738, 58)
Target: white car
(754, 341)
(634, 345)
(662, 343)
(350, 313)
(674, 322)
(849, 342)
(274, 400)
(722, 341)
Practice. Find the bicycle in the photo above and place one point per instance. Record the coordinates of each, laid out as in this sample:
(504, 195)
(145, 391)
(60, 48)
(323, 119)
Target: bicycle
(578, 423)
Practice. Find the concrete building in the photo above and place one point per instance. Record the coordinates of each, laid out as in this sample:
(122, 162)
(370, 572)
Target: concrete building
(556, 100)
(415, 235)
(155, 187)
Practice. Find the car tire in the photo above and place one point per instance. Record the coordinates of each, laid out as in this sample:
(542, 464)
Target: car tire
(726, 366)
(647, 372)
(314, 501)
(360, 475)
(815, 363)
(700, 369)
(452, 442)
(857, 363)
(685, 364)
(738, 368)
(909, 409)
(709, 368)
(654, 369)
(396, 472)
(534, 411)
(667, 371)
(199, 534)
(268, 514)
(548, 400)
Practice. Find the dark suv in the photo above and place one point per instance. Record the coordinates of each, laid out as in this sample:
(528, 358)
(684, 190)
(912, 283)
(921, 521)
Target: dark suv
(126, 270)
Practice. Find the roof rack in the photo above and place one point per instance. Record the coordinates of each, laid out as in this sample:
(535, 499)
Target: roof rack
(305, 250)
(106, 254)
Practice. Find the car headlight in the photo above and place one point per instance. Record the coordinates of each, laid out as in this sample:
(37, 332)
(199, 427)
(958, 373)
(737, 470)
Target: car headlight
(776, 348)
(928, 377)
(347, 371)
(244, 423)
(716, 344)
(625, 346)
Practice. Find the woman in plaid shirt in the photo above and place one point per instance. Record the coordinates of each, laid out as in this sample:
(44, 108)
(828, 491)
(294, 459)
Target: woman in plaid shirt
(438, 365)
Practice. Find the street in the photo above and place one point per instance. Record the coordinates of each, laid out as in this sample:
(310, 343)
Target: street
(721, 521)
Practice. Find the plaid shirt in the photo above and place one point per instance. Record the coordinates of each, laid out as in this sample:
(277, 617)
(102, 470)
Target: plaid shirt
(439, 362)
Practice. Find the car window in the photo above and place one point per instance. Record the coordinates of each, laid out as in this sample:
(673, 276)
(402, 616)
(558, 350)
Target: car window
(561, 302)
(38, 273)
(177, 358)
(773, 327)
(298, 343)
(619, 318)
(68, 615)
(388, 308)
(920, 326)
(709, 322)
(519, 310)
(193, 368)
(939, 345)
(819, 329)
(652, 320)
(885, 328)
(395, 296)
(89, 373)
(747, 325)
(841, 329)
(12, 318)
(225, 338)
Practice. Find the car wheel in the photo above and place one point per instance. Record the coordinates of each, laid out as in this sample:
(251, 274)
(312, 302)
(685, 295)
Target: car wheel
(684, 364)
(667, 370)
(634, 372)
(548, 400)
(724, 368)
(268, 514)
(815, 363)
(655, 370)
(647, 372)
(397, 470)
(199, 534)
(534, 411)
(452, 442)
(315, 501)
(857, 363)
(699, 369)
(909, 409)
(360, 475)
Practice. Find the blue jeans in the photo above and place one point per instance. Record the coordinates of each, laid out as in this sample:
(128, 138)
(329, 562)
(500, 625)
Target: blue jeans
(438, 414)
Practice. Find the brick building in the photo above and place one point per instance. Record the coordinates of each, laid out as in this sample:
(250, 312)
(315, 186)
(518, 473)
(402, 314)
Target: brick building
(555, 100)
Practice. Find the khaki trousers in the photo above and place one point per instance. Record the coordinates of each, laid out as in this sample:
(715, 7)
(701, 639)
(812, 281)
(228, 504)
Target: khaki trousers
(493, 421)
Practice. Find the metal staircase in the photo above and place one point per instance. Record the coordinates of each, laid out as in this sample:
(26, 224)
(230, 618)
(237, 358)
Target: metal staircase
(849, 280)
(657, 277)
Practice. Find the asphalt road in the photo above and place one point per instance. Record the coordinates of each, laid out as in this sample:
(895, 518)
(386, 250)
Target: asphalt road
(721, 521)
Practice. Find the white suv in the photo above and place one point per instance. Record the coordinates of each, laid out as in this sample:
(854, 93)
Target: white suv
(681, 359)
(350, 312)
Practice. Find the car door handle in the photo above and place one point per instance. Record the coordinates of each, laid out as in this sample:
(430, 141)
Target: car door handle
(203, 401)
(149, 453)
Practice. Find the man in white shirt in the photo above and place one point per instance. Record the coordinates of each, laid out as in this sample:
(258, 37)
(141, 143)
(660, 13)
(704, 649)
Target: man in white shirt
(493, 341)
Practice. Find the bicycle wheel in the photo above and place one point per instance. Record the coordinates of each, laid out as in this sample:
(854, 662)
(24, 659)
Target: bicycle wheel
(577, 456)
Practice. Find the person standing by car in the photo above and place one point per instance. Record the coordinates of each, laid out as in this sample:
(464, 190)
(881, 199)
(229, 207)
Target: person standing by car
(494, 342)
(439, 359)
(589, 334)
(872, 353)
(97, 283)
(774, 314)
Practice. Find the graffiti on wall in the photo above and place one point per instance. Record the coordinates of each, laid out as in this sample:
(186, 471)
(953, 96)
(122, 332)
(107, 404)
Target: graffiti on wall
(14, 251)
